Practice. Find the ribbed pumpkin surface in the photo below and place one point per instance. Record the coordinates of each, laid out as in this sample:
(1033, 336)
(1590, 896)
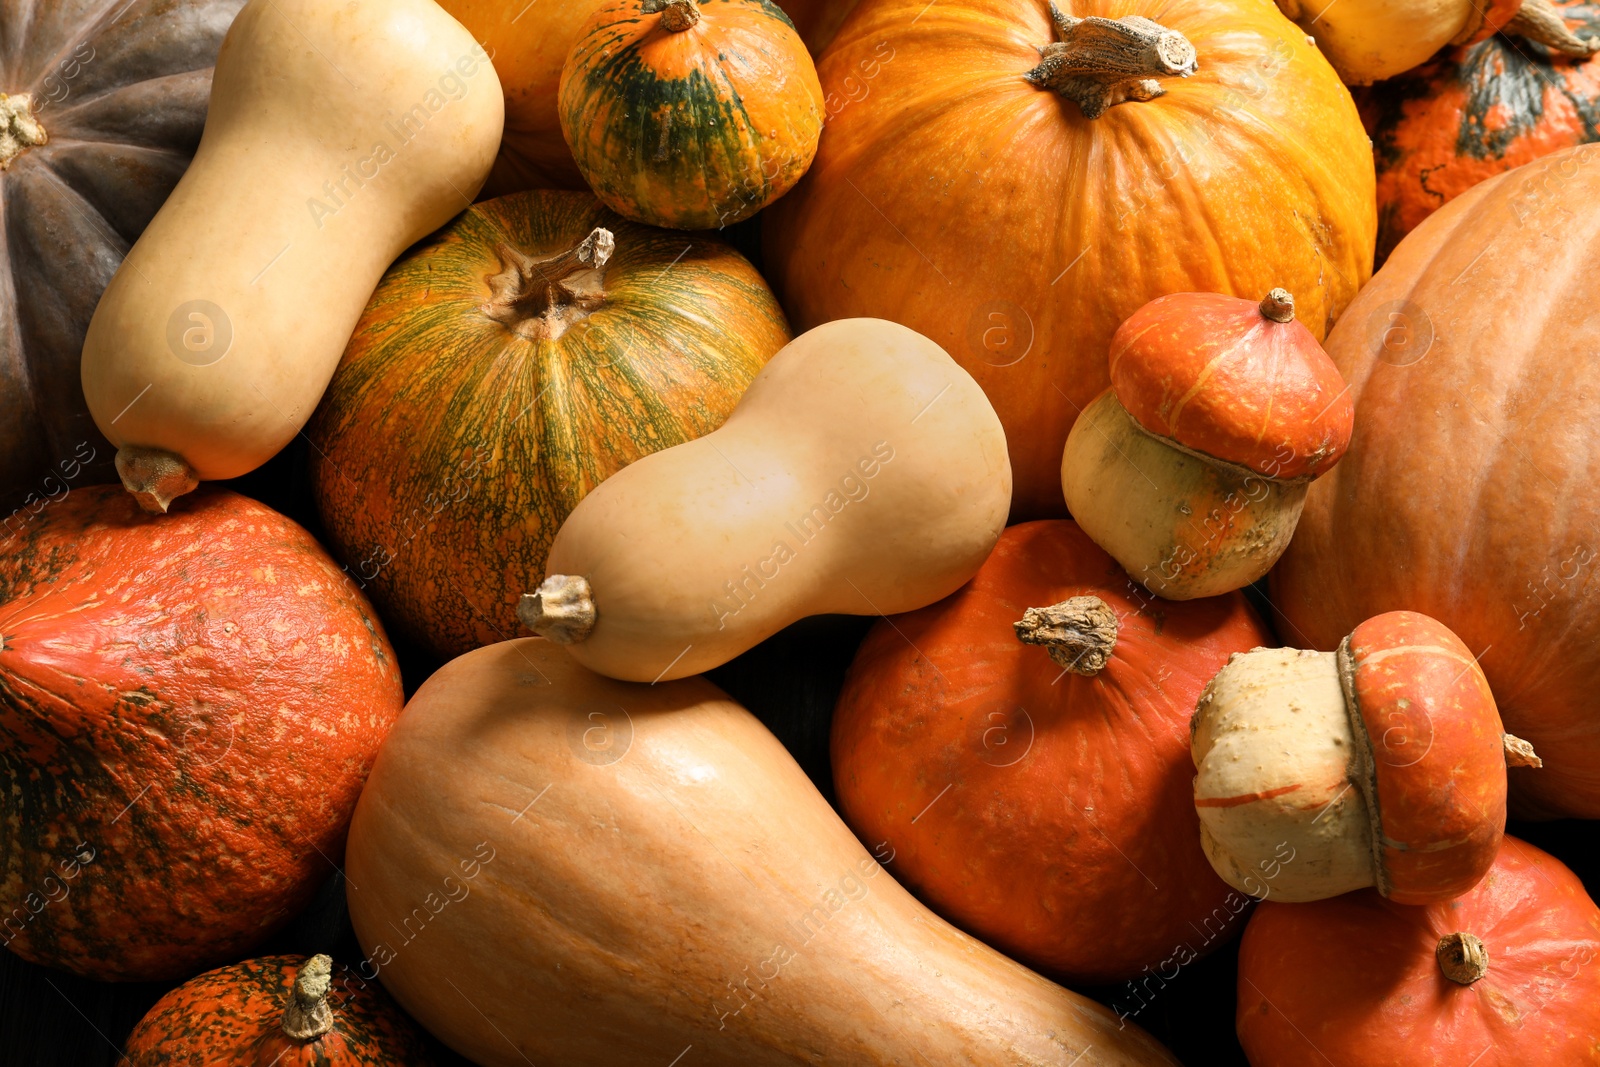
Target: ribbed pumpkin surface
(189, 705)
(451, 444)
(233, 1016)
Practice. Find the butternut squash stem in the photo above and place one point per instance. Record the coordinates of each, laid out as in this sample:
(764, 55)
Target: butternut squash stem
(1098, 63)
(1541, 23)
(19, 130)
(1278, 306)
(562, 610)
(1463, 958)
(154, 476)
(542, 297)
(676, 15)
(1079, 633)
(308, 1015)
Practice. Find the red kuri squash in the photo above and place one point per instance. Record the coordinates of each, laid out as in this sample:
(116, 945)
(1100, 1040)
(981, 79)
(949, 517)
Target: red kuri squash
(276, 1011)
(1469, 492)
(188, 708)
(1040, 797)
(963, 189)
(1506, 976)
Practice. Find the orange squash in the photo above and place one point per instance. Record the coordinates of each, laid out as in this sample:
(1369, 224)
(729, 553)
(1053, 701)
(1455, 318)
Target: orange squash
(1039, 797)
(1018, 232)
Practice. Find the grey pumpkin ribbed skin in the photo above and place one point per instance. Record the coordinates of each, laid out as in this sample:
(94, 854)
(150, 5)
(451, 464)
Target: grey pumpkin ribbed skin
(121, 92)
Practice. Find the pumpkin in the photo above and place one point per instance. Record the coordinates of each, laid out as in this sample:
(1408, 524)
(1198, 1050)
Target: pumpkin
(1467, 491)
(1019, 232)
(862, 473)
(98, 118)
(533, 347)
(690, 117)
(528, 44)
(1038, 797)
(817, 20)
(1503, 977)
(276, 1011)
(188, 709)
(1475, 112)
(1192, 468)
(213, 342)
(1383, 764)
(612, 873)
(1369, 40)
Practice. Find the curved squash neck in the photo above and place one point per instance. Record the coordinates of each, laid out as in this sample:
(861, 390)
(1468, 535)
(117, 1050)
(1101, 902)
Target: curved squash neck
(541, 297)
(1098, 63)
(19, 129)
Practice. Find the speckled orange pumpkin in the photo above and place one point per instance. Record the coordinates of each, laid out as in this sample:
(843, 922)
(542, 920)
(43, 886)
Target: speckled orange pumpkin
(189, 705)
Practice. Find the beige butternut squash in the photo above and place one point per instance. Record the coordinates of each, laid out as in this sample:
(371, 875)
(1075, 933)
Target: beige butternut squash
(551, 867)
(862, 473)
(338, 134)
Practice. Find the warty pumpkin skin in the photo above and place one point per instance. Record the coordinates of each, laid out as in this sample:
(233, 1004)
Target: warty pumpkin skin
(101, 107)
(1467, 493)
(188, 708)
(1361, 981)
(693, 114)
(1045, 808)
(1019, 234)
(1476, 112)
(241, 1015)
(612, 873)
(475, 406)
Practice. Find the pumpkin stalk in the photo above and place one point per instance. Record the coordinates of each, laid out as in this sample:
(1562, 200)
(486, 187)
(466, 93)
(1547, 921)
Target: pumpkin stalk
(1463, 958)
(541, 297)
(676, 15)
(1541, 23)
(154, 476)
(19, 130)
(1079, 633)
(1519, 753)
(1278, 306)
(1099, 63)
(308, 1015)
(562, 610)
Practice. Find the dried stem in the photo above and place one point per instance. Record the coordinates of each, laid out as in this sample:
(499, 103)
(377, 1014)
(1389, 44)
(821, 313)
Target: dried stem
(541, 297)
(1099, 63)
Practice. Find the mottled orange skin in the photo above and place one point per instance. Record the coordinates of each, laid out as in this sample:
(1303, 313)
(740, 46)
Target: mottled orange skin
(189, 705)
(233, 1017)
(1214, 374)
(1048, 813)
(1353, 980)
(1437, 755)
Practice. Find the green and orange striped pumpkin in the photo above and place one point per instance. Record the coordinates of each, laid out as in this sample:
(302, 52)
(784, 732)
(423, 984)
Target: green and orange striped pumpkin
(504, 368)
(277, 1012)
(692, 114)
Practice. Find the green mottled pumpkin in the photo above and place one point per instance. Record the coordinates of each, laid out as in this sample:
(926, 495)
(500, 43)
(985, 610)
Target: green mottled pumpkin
(692, 114)
(277, 1012)
(506, 366)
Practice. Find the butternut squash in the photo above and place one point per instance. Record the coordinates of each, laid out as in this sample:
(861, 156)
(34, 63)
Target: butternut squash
(862, 473)
(551, 867)
(337, 135)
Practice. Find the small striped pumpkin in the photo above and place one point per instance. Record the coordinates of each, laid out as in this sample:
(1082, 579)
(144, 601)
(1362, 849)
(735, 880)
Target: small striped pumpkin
(504, 368)
(692, 114)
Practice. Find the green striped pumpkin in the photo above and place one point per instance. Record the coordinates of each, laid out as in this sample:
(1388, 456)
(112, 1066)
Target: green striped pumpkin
(692, 114)
(504, 368)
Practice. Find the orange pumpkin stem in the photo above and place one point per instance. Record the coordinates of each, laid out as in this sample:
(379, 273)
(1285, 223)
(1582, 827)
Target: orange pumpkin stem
(542, 297)
(1079, 633)
(562, 610)
(1540, 22)
(19, 130)
(1099, 63)
(1278, 306)
(155, 477)
(1463, 958)
(676, 15)
(308, 1015)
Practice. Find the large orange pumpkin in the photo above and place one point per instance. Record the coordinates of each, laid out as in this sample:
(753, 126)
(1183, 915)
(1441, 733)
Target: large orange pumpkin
(958, 190)
(1468, 492)
(1040, 797)
(189, 705)
(1508, 975)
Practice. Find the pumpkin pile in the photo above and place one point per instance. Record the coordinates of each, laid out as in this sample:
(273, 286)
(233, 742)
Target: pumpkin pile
(1230, 598)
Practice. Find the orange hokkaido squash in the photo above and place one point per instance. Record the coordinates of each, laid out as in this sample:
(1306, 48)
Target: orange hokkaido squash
(1027, 209)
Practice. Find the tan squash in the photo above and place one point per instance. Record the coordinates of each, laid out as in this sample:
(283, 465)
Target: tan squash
(338, 135)
(862, 473)
(551, 867)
